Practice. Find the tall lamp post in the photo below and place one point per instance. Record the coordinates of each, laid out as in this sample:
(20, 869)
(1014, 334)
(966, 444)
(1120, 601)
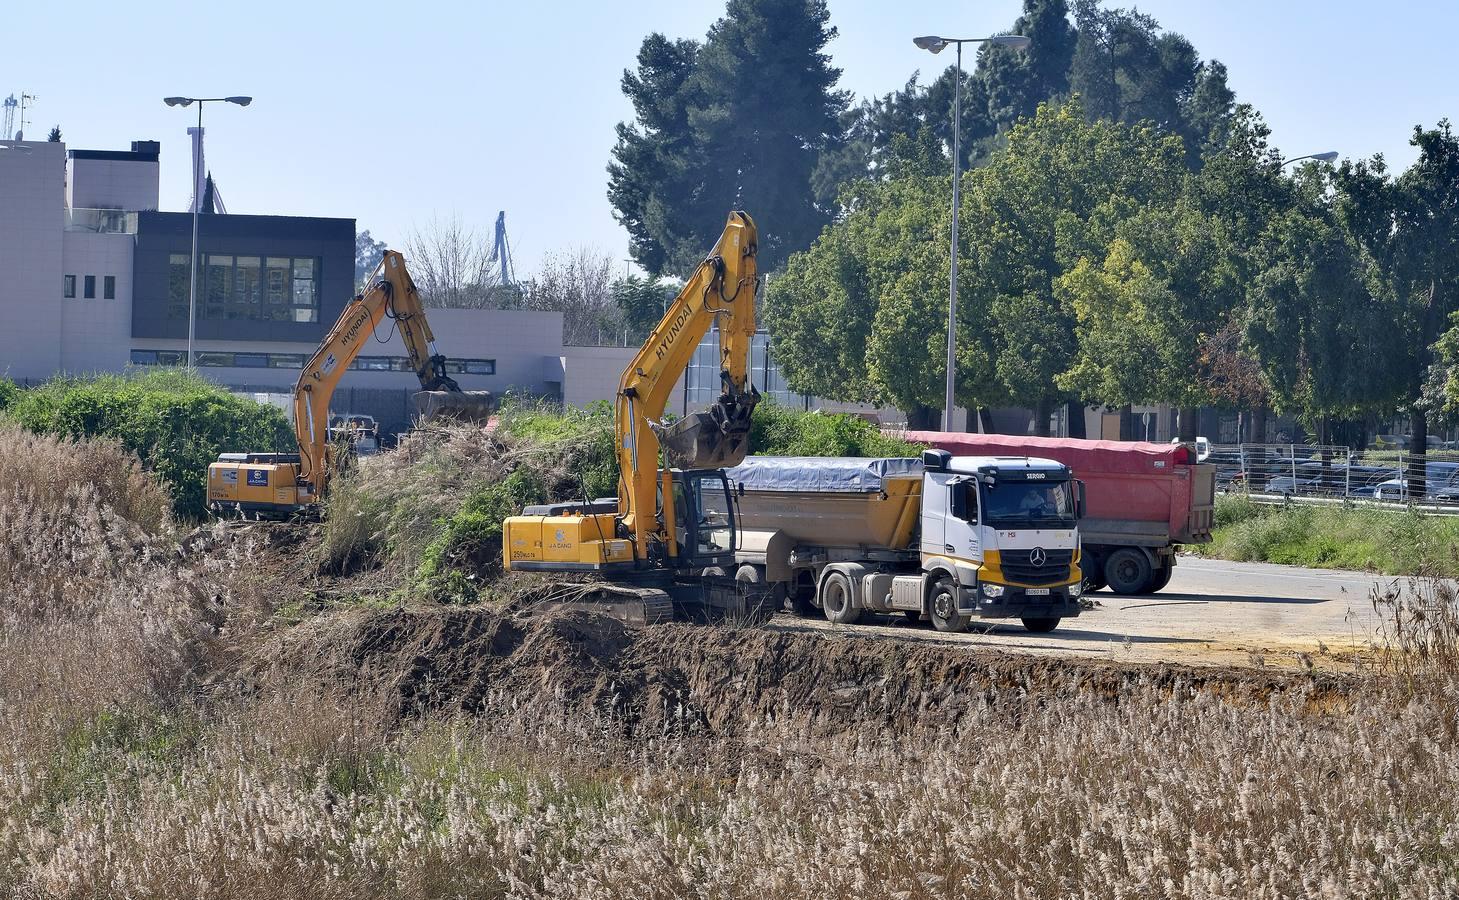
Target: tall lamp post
(192, 291)
(935, 44)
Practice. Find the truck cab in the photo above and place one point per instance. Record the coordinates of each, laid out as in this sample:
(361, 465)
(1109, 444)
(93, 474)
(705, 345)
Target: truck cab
(1002, 534)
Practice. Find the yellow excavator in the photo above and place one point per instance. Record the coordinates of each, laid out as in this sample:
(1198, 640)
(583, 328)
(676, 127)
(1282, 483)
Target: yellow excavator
(288, 484)
(667, 539)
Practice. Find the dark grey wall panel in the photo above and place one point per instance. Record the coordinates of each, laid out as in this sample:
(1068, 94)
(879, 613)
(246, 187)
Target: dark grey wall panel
(161, 234)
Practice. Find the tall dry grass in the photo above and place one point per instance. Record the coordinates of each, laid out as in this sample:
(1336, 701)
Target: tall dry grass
(1156, 796)
(136, 760)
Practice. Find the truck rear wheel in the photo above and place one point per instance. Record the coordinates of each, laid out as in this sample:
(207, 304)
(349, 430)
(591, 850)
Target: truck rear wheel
(943, 607)
(1159, 578)
(1127, 571)
(1041, 625)
(836, 600)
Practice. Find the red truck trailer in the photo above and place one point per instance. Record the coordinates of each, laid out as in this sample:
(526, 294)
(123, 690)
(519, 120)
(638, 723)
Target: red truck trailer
(1143, 500)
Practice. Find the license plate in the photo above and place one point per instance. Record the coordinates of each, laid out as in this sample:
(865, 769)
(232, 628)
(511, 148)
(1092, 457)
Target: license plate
(1037, 592)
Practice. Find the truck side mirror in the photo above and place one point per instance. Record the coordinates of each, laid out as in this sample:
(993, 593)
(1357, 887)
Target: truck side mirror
(1079, 500)
(959, 500)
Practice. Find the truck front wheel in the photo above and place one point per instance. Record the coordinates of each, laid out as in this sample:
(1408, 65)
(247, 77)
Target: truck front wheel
(943, 607)
(1127, 571)
(836, 600)
(1041, 625)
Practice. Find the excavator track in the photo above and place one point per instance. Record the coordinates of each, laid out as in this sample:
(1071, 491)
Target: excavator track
(702, 599)
(630, 604)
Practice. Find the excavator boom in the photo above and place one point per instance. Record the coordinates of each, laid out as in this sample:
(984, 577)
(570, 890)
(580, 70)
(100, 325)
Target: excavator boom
(282, 482)
(670, 524)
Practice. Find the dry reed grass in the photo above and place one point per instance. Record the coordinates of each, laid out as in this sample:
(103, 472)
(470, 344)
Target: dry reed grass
(125, 771)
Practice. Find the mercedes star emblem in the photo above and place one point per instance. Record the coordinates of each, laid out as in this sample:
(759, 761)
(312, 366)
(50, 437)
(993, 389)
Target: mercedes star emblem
(1038, 557)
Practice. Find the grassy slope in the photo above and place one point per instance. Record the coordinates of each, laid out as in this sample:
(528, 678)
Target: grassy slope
(1391, 542)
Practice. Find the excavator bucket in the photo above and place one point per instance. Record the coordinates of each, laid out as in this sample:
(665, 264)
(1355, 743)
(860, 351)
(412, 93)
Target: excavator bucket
(463, 406)
(717, 439)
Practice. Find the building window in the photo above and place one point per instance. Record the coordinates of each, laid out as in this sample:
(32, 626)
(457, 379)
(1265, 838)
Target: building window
(471, 366)
(158, 357)
(240, 287)
(286, 360)
(89, 292)
(250, 360)
(179, 283)
(69, 290)
(109, 287)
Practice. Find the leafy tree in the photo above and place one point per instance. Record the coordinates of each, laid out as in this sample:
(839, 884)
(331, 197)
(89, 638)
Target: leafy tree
(1053, 198)
(1408, 230)
(55, 136)
(1312, 316)
(368, 253)
(735, 123)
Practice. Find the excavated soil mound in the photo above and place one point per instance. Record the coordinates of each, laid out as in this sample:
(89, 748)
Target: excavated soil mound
(722, 678)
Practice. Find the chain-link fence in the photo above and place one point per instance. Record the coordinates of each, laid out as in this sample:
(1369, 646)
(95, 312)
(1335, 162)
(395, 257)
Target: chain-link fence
(1304, 470)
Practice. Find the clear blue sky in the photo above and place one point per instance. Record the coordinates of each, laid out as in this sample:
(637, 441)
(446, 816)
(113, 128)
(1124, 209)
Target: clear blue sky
(392, 113)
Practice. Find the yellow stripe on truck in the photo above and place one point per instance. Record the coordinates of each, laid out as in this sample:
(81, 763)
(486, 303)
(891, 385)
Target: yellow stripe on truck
(991, 569)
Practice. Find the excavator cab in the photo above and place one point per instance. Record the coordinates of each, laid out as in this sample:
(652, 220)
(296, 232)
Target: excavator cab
(704, 521)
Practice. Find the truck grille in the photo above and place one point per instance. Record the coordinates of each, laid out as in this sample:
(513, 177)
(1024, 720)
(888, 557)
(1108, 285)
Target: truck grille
(1017, 566)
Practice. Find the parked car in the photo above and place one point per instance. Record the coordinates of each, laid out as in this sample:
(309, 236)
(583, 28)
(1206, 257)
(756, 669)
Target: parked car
(1299, 478)
(1438, 476)
(1363, 481)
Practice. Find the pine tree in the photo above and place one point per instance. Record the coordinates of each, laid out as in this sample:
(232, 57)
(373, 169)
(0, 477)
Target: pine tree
(736, 123)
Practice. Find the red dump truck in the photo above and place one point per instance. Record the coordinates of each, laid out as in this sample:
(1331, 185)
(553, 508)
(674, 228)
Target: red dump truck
(1143, 500)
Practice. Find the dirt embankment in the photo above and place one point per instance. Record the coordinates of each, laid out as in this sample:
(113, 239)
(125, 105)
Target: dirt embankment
(719, 678)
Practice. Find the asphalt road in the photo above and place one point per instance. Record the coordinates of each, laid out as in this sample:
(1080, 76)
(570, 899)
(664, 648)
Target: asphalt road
(1212, 612)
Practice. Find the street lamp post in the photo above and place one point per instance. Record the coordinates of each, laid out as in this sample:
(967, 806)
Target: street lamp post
(934, 44)
(1327, 156)
(192, 291)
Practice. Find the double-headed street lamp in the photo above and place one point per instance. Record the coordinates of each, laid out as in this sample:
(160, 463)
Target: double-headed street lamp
(935, 44)
(192, 292)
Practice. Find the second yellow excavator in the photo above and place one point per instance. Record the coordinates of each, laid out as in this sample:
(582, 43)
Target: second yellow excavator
(283, 484)
(669, 536)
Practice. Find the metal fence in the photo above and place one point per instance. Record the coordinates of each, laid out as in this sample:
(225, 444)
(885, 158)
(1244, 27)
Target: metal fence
(1304, 470)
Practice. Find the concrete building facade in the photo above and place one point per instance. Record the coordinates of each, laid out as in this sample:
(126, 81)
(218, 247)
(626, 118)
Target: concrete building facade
(99, 281)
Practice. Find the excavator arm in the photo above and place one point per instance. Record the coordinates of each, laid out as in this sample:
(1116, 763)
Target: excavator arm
(722, 288)
(391, 294)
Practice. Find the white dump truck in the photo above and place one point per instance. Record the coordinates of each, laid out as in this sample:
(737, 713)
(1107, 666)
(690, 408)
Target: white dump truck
(952, 538)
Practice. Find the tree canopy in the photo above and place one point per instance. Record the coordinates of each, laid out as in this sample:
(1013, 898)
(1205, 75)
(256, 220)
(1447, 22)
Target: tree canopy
(737, 122)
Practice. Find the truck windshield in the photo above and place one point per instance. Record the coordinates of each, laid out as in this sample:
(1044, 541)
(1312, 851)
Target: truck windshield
(1030, 504)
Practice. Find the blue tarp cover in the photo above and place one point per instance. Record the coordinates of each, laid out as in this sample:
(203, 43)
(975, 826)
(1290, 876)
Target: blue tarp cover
(847, 474)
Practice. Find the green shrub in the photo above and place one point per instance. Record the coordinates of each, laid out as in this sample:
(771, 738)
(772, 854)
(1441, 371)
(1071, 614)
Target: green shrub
(780, 431)
(176, 422)
(1395, 542)
(469, 546)
(1234, 508)
(9, 393)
